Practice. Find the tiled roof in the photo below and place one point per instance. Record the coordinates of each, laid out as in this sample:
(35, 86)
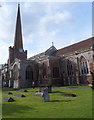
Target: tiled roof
(76, 47)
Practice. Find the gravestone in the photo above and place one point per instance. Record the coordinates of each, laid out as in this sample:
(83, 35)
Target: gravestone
(69, 95)
(39, 94)
(23, 90)
(19, 95)
(15, 89)
(8, 99)
(45, 95)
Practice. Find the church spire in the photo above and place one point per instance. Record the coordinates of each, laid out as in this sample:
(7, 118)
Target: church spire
(18, 44)
(17, 50)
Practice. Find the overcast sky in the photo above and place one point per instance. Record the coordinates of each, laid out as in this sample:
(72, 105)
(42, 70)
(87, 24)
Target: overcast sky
(63, 23)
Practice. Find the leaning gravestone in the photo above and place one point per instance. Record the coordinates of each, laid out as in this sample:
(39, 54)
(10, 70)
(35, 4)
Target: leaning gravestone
(45, 95)
(8, 99)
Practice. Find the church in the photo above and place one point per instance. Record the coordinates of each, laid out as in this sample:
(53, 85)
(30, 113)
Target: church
(68, 66)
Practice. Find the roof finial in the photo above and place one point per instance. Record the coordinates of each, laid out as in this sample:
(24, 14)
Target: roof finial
(52, 43)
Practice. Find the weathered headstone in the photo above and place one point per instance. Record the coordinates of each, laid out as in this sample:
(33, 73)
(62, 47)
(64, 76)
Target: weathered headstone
(45, 95)
(8, 99)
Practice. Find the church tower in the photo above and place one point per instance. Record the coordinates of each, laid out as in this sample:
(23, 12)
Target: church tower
(17, 50)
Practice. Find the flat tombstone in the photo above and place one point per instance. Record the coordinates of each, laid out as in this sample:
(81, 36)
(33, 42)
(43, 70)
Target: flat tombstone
(8, 99)
(23, 96)
(39, 94)
(22, 90)
(9, 93)
(19, 95)
(69, 95)
(25, 91)
(15, 89)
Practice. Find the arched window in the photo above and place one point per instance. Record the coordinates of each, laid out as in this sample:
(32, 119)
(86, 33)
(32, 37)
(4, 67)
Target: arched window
(83, 66)
(70, 72)
(29, 73)
(69, 68)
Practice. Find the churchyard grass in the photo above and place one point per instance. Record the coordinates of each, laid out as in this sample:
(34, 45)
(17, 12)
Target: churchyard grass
(59, 106)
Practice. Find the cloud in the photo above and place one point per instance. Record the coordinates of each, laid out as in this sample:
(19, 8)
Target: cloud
(7, 23)
(4, 52)
(49, 27)
(6, 30)
(47, 1)
(42, 24)
(54, 21)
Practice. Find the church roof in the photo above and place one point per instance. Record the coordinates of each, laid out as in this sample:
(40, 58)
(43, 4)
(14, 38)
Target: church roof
(49, 52)
(76, 47)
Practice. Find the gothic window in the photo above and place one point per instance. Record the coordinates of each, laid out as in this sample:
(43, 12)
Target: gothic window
(29, 73)
(69, 68)
(55, 72)
(83, 66)
(70, 72)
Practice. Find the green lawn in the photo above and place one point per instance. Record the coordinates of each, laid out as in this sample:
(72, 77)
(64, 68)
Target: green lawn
(58, 107)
